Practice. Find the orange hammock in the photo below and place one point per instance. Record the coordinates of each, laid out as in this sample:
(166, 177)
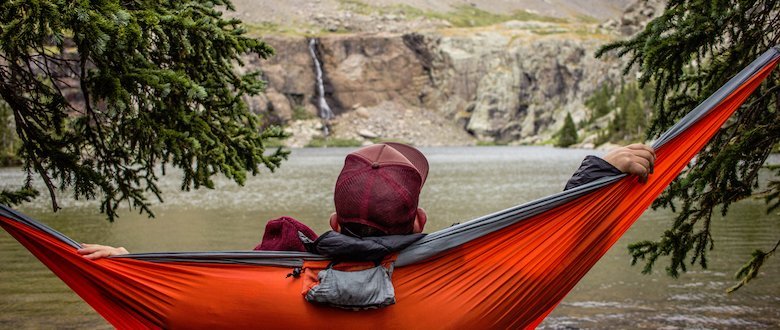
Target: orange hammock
(504, 270)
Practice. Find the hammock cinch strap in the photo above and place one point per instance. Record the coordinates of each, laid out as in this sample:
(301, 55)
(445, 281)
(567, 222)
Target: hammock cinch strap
(508, 269)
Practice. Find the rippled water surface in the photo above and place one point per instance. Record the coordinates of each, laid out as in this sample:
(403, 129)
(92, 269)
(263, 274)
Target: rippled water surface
(463, 183)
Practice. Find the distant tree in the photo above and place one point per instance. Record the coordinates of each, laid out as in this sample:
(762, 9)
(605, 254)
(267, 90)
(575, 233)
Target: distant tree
(630, 110)
(600, 102)
(9, 142)
(106, 93)
(633, 112)
(568, 133)
(689, 51)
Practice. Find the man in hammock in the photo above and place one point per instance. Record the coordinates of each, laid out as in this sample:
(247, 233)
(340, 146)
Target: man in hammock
(376, 197)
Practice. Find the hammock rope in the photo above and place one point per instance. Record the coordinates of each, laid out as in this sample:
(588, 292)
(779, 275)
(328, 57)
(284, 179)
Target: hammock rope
(508, 269)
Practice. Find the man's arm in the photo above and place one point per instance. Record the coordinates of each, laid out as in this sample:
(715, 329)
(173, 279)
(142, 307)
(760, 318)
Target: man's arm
(634, 159)
(96, 251)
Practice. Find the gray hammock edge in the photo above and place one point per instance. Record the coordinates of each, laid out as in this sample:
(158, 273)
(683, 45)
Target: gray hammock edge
(442, 240)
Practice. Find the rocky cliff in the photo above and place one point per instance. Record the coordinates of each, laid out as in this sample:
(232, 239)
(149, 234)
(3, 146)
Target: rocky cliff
(511, 83)
(508, 88)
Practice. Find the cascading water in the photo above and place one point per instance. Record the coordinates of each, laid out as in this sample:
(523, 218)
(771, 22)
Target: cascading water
(324, 110)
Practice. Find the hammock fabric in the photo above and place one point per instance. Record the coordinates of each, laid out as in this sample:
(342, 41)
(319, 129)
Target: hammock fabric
(504, 270)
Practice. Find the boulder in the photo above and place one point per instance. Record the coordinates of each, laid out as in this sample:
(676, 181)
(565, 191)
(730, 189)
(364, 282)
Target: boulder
(367, 134)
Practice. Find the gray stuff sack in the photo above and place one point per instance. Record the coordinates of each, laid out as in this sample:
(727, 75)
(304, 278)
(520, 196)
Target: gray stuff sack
(364, 289)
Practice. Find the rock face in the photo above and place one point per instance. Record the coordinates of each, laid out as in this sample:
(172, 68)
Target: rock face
(371, 69)
(503, 87)
(357, 70)
(508, 90)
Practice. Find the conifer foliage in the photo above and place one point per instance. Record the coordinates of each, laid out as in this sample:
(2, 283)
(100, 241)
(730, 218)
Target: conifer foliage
(688, 52)
(631, 108)
(568, 133)
(155, 84)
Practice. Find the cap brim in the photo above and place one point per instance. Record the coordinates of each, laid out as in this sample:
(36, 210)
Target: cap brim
(414, 156)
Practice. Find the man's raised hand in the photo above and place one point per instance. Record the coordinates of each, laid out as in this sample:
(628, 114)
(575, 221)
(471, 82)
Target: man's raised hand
(636, 159)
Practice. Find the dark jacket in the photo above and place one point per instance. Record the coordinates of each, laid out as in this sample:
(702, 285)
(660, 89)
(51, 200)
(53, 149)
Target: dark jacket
(338, 246)
(591, 169)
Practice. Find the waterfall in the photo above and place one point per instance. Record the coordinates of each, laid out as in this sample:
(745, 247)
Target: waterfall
(324, 110)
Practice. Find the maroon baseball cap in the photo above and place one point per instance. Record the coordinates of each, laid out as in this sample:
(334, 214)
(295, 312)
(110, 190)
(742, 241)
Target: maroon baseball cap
(282, 234)
(380, 186)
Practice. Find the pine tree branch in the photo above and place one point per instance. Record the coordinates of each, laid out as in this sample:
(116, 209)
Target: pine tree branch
(751, 269)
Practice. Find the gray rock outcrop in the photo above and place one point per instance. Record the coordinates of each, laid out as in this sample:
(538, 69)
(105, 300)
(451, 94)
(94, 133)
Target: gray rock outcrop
(507, 90)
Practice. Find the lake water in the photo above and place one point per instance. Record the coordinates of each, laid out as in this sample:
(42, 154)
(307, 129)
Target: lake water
(464, 183)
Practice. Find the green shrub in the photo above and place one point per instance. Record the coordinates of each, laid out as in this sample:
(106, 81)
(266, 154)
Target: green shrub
(300, 113)
(329, 142)
(9, 141)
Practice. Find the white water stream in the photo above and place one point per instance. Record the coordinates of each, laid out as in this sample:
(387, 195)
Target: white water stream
(324, 109)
